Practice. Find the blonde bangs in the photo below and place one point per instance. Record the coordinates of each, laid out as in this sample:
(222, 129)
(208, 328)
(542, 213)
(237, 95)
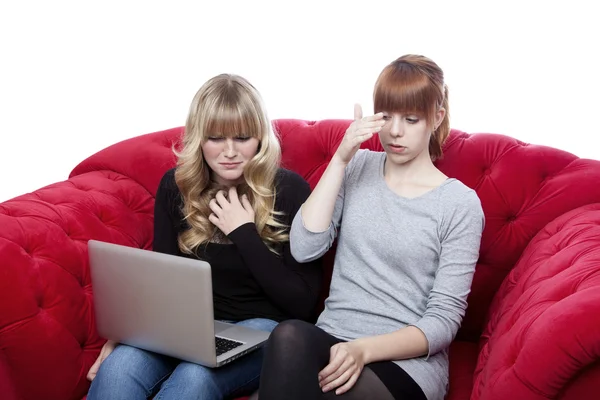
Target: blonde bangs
(233, 118)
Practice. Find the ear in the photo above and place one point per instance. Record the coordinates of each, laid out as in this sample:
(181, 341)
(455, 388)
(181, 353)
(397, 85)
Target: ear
(439, 117)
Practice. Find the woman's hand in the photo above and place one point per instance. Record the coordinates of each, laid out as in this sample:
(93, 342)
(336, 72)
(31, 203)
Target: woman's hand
(230, 213)
(108, 348)
(359, 131)
(346, 362)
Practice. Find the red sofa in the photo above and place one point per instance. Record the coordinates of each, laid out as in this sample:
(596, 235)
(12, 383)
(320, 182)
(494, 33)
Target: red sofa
(532, 330)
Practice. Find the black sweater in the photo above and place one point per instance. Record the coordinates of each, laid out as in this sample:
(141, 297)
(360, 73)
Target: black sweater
(249, 281)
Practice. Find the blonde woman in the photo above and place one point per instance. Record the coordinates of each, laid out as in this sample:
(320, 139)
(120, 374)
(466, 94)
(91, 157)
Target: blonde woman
(227, 202)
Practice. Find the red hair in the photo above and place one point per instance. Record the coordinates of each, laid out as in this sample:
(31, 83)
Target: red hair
(414, 84)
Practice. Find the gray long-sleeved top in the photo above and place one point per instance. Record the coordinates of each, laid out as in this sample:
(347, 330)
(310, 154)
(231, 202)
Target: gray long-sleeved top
(398, 262)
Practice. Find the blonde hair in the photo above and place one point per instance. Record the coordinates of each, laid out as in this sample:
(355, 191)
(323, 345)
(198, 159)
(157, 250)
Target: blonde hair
(415, 84)
(225, 106)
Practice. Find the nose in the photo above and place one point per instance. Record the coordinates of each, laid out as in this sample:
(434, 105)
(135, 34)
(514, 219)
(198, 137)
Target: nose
(230, 150)
(396, 128)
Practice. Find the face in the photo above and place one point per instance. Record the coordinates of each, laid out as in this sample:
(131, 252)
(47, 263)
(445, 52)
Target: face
(405, 137)
(228, 156)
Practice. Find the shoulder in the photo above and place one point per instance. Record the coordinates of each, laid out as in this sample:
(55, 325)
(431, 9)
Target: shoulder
(364, 162)
(168, 191)
(292, 190)
(287, 180)
(459, 194)
(167, 182)
(462, 203)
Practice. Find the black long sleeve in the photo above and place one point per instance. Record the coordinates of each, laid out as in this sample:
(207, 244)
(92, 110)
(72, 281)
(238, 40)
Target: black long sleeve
(249, 281)
(289, 284)
(166, 214)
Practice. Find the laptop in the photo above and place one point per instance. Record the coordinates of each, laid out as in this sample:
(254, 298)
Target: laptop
(164, 304)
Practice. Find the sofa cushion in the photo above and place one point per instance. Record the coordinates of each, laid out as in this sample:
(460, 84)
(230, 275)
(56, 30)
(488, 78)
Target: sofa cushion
(47, 326)
(544, 325)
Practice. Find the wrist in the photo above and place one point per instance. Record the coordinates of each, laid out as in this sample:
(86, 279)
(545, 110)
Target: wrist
(241, 228)
(337, 161)
(362, 347)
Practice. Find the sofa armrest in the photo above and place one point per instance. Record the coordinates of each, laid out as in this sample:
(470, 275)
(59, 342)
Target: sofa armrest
(544, 324)
(48, 334)
(7, 389)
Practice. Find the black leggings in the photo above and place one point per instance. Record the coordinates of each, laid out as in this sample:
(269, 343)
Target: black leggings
(297, 351)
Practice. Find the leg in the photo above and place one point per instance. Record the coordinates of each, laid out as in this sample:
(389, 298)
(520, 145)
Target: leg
(294, 355)
(129, 373)
(367, 387)
(193, 381)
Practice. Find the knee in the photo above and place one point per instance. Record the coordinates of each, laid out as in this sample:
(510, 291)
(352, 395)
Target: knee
(192, 374)
(290, 332)
(121, 362)
(261, 324)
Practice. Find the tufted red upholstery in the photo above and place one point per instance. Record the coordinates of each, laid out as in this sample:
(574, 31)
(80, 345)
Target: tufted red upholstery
(532, 330)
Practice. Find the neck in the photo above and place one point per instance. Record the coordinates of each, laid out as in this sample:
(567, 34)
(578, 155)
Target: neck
(418, 169)
(226, 183)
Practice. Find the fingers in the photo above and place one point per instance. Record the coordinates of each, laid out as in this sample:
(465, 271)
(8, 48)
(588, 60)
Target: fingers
(357, 112)
(339, 376)
(358, 140)
(335, 361)
(366, 127)
(348, 385)
(345, 375)
(220, 198)
(233, 196)
(369, 123)
(246, 204)
(215, 207)
(93, 370)
(214, 219)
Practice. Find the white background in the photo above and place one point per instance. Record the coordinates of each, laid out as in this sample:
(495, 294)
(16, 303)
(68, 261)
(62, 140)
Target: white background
(77, 76)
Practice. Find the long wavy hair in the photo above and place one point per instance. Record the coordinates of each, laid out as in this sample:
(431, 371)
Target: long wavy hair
(226, 106)
(415, 84)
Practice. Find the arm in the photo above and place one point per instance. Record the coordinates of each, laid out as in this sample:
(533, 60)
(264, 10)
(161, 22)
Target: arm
(165, 234)
(318, 210)
(448, 298)
(292, 286)
(315, 228)
(305, 244)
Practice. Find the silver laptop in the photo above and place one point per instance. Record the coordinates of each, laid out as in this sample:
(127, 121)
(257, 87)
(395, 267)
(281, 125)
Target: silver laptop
(163, 303)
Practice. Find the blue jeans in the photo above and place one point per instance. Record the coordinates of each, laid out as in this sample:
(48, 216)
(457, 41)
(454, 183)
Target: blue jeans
(129, 373)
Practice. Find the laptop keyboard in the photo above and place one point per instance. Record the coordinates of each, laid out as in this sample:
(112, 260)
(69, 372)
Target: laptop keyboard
(224, 345)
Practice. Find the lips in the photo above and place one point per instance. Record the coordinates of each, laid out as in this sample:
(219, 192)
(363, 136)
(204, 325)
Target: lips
(229, 165)
(396, 148)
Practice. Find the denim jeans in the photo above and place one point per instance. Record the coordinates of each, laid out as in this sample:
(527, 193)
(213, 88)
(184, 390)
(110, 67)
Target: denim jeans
(129, 373)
